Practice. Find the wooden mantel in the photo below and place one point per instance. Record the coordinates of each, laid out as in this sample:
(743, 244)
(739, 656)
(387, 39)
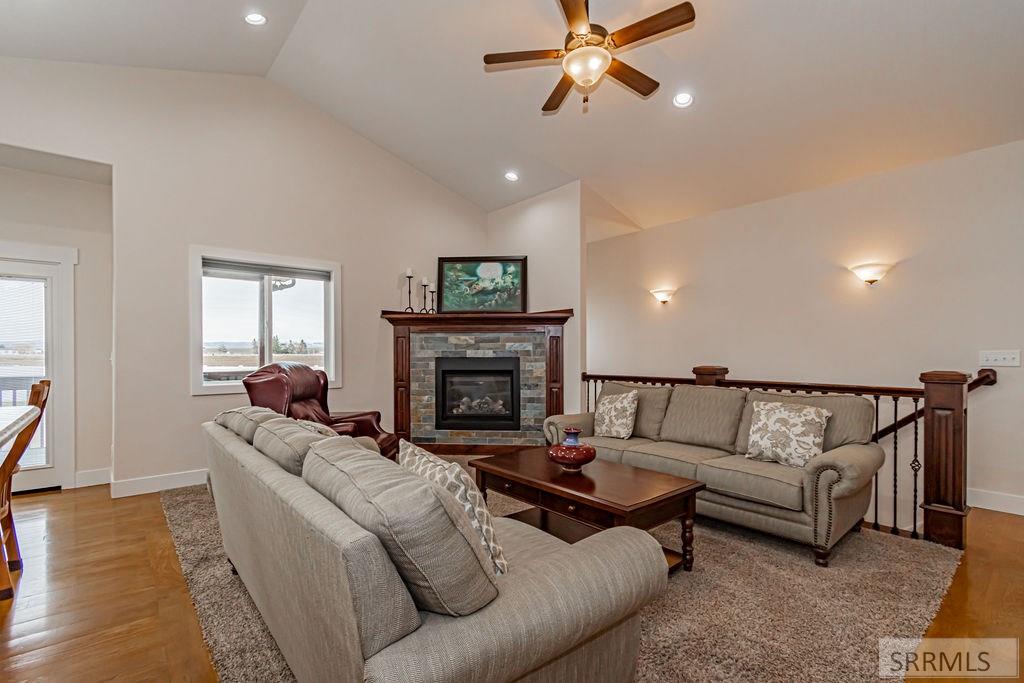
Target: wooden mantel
(551, 323)
(477, 321)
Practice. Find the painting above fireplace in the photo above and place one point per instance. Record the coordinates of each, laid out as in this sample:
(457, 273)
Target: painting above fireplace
(477, 393)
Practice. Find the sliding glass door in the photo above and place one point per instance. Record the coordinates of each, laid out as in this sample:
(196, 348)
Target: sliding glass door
(25, 357)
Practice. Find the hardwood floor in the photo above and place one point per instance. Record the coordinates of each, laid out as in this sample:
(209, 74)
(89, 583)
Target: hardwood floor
(102, 595)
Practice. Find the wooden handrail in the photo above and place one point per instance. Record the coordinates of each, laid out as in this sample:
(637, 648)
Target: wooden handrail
(986, 377)
(636, 379)
(806, 387)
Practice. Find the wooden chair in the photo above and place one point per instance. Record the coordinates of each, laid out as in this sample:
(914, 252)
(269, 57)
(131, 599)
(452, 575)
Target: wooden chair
(11, 554)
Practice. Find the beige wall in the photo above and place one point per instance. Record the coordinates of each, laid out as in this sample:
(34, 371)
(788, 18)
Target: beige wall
(45, 209)
(548, 230)
(764, 290)
(236, 162)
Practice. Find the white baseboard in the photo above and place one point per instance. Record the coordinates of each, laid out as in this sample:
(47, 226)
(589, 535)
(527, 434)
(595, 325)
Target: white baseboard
(161, 482)
(994, 500)
(92, 477)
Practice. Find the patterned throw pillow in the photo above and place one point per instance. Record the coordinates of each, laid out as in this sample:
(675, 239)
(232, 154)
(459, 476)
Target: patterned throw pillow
(616, 415)
(786, 433)
(452, 478)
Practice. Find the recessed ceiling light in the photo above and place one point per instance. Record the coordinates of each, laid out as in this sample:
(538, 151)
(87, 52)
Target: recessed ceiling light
(255, 19)
(683, 100)
(512, 176)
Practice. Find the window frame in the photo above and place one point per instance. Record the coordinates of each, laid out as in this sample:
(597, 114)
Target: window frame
(332, 316)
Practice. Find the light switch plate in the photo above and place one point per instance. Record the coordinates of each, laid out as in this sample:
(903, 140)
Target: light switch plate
(1000, 359)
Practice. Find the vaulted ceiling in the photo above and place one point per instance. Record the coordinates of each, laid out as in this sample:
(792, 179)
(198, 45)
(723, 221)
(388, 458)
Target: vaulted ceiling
(789, 95)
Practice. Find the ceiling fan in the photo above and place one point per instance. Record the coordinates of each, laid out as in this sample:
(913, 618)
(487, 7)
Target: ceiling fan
(588, 51)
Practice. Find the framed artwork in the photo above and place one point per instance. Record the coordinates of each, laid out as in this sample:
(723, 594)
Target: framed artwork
(481, 284)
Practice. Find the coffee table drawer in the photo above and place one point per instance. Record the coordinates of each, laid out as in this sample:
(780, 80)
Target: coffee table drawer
(512, 488)
(579, 511)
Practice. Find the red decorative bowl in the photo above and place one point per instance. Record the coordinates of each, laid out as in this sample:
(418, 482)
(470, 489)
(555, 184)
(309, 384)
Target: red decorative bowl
(571, 454)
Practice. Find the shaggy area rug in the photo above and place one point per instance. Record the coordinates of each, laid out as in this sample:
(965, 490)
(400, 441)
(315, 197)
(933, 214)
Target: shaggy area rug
(755, 608)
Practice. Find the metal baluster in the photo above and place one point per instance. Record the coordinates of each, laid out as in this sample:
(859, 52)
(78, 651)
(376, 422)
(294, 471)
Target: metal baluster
(589, 382)
(915, 465)
(875, 525)
(895, 462)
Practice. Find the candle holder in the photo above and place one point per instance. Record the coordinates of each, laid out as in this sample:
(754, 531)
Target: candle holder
(409, 308)
(424, 309)
(432, 309)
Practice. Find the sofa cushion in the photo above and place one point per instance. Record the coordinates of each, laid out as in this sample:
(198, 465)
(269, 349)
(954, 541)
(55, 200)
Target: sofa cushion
(244, 421)
(616, 415)
(423, 528)
(763, 482)
(852, 421)
(650, 408)
(453, 478)
(609, 448)
(704, 416)
(286, 442)
(678, 459)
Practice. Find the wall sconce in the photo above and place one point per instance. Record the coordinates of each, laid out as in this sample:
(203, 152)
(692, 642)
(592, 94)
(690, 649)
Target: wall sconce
(663, 295)
(871, 272)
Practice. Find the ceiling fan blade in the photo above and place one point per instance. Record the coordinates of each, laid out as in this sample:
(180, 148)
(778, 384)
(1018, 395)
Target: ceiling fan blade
(652, 26)
(631, 78)
(524, 56)
(559, 94)
(578, 16)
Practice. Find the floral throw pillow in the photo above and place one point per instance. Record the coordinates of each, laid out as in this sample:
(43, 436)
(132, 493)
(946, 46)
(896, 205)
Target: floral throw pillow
(616, 415)
(787, 433)
(452, 478)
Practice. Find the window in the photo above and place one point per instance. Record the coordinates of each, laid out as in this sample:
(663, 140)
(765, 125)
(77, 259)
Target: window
(254, 312)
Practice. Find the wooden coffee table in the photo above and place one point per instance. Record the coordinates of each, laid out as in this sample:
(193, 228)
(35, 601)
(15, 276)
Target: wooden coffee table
(604, 495)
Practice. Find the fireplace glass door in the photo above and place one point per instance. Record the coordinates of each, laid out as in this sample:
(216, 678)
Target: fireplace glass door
(477, 393)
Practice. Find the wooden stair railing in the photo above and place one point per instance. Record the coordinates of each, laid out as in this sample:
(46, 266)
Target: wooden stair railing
(943, 457)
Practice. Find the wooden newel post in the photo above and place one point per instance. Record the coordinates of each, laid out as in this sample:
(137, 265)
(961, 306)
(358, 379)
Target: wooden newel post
(710, 375)
(945, 457)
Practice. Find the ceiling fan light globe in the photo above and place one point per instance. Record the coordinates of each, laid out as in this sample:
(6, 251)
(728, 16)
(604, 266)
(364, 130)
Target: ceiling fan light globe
(587, 64)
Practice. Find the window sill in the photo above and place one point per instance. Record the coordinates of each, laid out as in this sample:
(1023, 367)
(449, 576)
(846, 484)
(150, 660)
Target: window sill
(237, 388)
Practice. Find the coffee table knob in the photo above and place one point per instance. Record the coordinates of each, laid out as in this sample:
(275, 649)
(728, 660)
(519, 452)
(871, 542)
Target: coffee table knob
(508, 486)
(572, 508)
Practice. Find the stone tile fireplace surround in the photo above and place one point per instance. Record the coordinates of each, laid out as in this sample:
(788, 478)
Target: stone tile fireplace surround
(528, 347)
(531, 343)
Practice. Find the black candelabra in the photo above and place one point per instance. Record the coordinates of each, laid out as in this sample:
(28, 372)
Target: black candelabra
(432, 309)
(409, 308)
(424, 309)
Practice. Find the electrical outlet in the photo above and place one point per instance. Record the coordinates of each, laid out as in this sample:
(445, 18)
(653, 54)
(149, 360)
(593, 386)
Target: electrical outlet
(1000, 359)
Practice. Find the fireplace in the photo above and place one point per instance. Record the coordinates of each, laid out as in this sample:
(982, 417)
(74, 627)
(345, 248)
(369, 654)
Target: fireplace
(477, 393)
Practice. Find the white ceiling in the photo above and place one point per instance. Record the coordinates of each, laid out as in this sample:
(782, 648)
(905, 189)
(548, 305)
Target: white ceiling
(789, 95)
(193, 35)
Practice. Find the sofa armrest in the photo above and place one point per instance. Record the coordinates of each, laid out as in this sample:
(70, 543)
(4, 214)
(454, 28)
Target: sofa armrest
(554, 425)
(367, 422)
(544, 609)
(832, 483)
(855, 465)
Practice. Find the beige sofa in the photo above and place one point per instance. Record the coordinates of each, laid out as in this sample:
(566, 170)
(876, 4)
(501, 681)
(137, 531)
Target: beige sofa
(701, 432)
(339, 610)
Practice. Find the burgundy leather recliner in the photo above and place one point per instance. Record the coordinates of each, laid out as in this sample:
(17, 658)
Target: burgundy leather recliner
(300, 392)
